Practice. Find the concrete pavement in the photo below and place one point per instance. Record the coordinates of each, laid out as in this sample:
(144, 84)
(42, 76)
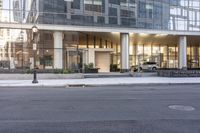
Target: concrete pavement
(101, 81)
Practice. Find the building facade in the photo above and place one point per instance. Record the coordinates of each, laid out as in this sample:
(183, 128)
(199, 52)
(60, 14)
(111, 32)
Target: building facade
(111, 34)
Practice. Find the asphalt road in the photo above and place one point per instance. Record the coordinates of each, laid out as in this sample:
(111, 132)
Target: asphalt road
(112, 109)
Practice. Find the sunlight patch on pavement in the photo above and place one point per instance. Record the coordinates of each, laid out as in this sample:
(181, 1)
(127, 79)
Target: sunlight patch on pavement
(181, 107)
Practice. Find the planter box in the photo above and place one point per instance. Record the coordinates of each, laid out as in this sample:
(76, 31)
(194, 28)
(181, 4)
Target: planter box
(178, 73)
(92, 70)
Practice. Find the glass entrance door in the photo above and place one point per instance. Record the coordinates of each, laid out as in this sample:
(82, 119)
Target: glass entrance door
(73, 59)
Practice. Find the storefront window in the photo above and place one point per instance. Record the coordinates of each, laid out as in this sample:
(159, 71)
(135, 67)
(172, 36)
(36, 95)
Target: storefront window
(147, 52)
(16, 49)
(173, 61)
(198, 55)
(193, 56)
(47, 60)
(156, 54)
(164, 56)
(140, 54)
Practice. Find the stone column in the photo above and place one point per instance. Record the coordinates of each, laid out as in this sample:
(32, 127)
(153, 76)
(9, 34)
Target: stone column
(124, 38)
(182, 52)
(58, 50)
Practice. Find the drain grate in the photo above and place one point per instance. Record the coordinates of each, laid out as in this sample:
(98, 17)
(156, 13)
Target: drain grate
(76, 85)
(181, 107)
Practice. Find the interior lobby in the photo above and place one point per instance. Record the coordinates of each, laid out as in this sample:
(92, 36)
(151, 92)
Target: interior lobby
(71, 50)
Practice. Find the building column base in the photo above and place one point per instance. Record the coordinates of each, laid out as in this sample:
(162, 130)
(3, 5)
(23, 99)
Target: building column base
(124, 70)
(184, 68)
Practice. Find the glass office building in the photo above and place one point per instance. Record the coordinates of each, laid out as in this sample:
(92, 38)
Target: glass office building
(120, 33)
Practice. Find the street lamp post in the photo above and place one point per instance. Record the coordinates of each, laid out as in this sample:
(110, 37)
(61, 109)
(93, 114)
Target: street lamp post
(35, 33)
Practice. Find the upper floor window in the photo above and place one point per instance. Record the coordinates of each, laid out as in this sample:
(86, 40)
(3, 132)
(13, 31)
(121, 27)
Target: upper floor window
(93, 5)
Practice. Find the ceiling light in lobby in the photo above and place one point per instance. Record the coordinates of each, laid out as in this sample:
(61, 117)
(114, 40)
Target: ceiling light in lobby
(143, 34)
(115, 32)
(161, 35)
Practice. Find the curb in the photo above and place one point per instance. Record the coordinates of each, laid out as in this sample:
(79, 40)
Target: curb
(94, 85)
(128, 84)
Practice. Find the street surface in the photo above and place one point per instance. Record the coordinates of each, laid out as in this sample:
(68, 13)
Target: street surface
(108, 109)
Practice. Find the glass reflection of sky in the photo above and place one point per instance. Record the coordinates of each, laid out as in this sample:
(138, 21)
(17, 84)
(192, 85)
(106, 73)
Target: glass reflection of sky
(7, 16)
(184, 14)
(7, 12)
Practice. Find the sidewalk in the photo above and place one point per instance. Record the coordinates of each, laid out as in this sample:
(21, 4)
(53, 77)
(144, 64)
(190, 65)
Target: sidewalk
(99, 81)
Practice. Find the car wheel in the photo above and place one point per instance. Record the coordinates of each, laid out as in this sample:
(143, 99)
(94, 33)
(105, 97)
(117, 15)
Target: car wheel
(154, 68)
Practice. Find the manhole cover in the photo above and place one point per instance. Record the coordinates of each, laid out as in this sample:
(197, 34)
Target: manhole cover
(182, 107)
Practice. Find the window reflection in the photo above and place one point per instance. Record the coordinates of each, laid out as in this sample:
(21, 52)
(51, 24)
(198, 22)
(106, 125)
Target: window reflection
(163, 15)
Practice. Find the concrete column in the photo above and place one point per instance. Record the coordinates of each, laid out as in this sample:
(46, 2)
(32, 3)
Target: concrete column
(182, 52)
(124, 38)
(58, 50)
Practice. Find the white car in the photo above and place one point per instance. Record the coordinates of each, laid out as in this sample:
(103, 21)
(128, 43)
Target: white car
(149, 66)
(152, 66)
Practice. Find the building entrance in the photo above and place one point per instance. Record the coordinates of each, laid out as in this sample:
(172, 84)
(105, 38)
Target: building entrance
(73, 59)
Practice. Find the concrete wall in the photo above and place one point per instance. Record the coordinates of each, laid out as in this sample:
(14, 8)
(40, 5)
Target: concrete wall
(99, 57)
(102, 61)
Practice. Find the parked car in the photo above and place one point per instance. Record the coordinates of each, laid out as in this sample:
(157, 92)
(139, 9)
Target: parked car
(152, 66)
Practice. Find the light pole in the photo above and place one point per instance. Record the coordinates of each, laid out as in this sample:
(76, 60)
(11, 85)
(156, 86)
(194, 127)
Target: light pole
(35, 38)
